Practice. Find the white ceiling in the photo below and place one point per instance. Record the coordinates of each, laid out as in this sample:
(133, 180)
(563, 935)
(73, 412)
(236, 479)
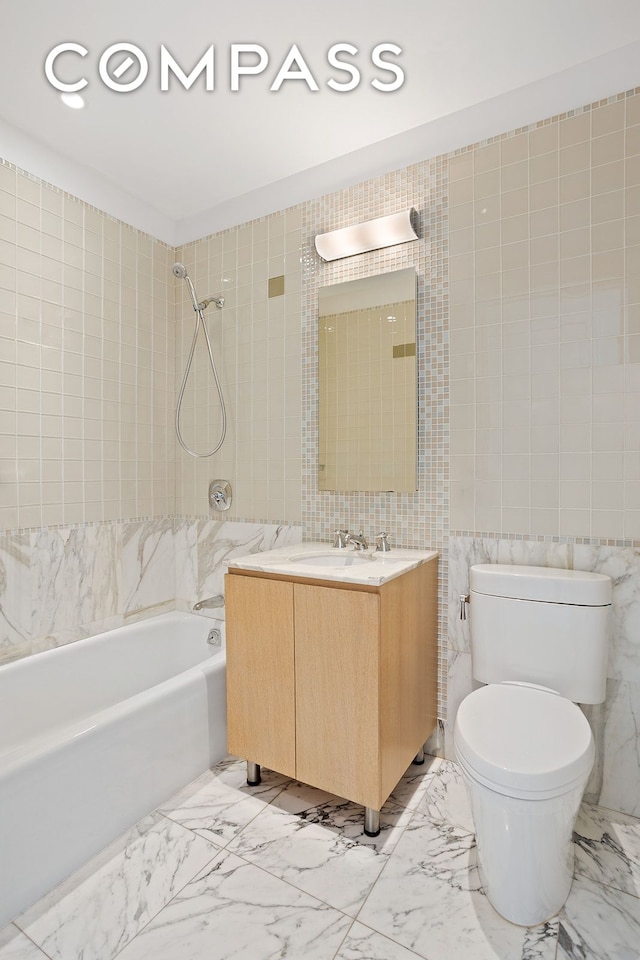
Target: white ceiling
(184, 163)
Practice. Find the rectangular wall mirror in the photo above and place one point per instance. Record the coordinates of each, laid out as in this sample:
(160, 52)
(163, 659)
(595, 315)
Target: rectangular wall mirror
(367, 384)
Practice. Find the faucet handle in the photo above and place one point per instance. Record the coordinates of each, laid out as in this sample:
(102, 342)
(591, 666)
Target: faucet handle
(382, 543)
(341, 539)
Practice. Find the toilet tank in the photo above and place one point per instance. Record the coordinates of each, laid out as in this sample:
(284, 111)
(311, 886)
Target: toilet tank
(541, 625)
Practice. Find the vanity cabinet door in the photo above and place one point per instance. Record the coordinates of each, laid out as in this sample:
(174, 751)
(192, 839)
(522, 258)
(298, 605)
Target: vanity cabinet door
(337, 660)
(260, 671)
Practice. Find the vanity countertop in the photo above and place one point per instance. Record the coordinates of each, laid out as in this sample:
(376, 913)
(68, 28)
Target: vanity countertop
(319, 561)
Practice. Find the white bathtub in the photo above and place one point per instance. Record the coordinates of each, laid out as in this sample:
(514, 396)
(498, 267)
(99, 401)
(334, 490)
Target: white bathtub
(96, 734)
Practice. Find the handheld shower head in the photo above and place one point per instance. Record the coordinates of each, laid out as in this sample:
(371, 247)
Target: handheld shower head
(179, 270)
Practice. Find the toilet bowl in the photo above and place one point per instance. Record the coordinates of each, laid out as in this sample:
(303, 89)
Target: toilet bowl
(526, 754)
(525, 749)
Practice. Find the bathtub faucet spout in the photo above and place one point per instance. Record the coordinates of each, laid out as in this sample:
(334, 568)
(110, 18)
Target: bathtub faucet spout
(217, 601)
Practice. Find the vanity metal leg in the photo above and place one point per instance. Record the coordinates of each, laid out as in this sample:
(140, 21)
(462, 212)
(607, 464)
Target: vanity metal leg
(371, 822)
(419, 757)
(253, 774)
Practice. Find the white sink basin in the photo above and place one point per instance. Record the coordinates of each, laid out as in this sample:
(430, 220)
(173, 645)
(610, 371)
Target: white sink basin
(333, 559)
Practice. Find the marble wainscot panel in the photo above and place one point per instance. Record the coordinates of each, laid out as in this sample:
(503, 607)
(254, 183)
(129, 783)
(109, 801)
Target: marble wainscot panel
(15, 600)
(203, 546)
(75, 582)
(615, 781)
(148, 571)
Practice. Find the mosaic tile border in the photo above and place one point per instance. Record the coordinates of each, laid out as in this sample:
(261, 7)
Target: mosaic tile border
(418, 519)
(540, 538)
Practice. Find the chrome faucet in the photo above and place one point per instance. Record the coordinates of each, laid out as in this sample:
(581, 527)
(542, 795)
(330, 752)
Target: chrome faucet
(358, 540)
(217, 601)
(341, 539)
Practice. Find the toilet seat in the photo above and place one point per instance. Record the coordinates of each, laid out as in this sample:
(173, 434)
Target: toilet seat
(523, 741)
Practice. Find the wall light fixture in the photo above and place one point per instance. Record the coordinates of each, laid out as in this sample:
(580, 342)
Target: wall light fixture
(371, 235)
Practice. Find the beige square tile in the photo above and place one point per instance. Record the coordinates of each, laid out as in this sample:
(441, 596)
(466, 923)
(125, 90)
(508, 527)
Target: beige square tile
(632, 228)
(575, 523)
(487, 234)
(544, 167)
(632, 110)
(461, 167)
(575, 130)
(608, 206)
(607, 265)
(544, 222)
(461, 191)
(544, 139)
(515, 255)
(607, 119)
(487, 210)
(632, 201)
(575, 243)
(486, 158)
(575, 158)
(544, 194)
(514, 176)
(461, 241)
(608, 235)
(608, 148)
(486, 184)
(461, 266)
(632, 171)
(486, 261)
(514, 149)
(632, 141)
(516, 228)
(575, 186)
(607, 524)
(461, 216)
(544, 248)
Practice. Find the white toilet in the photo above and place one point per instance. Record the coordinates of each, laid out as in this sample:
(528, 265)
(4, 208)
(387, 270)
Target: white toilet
(539, 639)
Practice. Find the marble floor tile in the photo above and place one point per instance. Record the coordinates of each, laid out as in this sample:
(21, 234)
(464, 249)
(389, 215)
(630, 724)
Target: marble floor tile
(298, 797)
(362, 943)
(429, 899)
(14, 945)
(599, 923)
(412, 787)
(234, 909)
(446, 797)
(324, 850)
(104, 905)
(607, 848)
(219, 804)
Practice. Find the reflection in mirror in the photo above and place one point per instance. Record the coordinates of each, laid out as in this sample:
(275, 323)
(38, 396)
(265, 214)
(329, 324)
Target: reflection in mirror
(367, 384)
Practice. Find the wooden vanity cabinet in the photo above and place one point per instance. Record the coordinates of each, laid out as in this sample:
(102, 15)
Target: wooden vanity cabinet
(332, 683)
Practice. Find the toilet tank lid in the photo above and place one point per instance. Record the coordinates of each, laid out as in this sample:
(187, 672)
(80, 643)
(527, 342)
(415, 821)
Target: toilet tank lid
(548, 584)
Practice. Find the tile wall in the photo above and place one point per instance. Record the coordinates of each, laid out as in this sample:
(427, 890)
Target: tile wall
(256, 337)
(545, 328)
(86, 362)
